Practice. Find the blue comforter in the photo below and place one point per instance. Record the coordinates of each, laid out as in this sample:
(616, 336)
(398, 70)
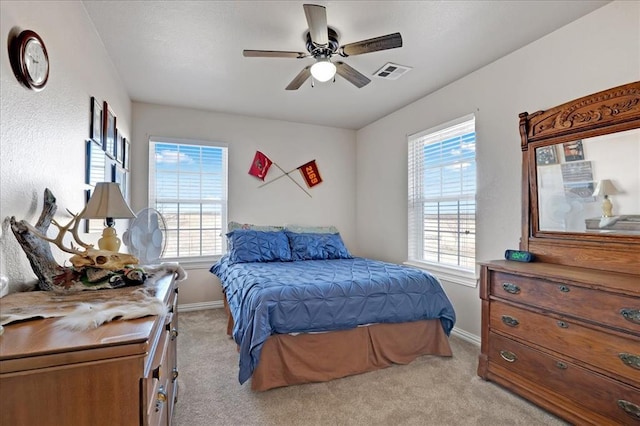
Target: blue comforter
(323, 295)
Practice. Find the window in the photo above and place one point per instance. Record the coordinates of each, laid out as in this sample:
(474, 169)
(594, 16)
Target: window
(188, 185)
(442, 189)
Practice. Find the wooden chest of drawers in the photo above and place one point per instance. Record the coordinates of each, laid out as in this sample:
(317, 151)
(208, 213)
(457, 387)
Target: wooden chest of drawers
(121, 373)
(566, 338)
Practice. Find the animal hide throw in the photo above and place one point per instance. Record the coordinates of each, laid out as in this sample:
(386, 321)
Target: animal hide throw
(90, 309)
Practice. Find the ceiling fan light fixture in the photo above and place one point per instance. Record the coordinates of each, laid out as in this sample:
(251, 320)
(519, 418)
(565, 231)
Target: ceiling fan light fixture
(323, 70)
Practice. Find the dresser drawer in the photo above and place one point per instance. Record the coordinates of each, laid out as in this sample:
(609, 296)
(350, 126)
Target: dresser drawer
(590, 304)
(157, 383)
(158, 408)
(604, 351)
(172, 360)
(591, 390)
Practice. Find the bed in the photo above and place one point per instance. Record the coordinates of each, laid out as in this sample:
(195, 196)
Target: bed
(302, 309)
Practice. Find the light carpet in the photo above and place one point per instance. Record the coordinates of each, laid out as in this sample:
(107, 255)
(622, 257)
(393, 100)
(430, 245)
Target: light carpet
(429, 391)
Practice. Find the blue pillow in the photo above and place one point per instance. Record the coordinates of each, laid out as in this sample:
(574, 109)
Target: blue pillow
(309, 246)
(258, 246)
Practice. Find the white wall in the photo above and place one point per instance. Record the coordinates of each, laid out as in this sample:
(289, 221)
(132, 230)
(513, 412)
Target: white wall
(599, 51)
(42, 134)
(288, 144)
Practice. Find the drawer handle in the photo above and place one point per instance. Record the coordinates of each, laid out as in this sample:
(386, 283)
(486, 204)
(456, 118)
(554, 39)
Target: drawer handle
(561, 365)
(510, 288)
(174, 374)
(564, 288)
(508, 356)
(510, 321)
(562, 324)
(631, 360)
(157, 372)
(632, 315)
(174, 333)
(630, 408)
(161, 398)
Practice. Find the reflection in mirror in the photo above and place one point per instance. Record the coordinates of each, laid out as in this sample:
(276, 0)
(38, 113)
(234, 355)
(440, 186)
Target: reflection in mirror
(590, 185)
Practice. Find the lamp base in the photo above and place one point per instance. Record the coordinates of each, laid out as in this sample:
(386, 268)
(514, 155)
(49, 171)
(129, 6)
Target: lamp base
(607, 207)
(109, 240)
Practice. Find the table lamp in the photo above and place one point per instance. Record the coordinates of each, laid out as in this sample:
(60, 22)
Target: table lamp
(605, 187)
(108, 203)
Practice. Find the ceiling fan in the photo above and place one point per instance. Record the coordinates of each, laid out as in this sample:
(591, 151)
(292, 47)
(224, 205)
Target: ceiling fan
(322, 44)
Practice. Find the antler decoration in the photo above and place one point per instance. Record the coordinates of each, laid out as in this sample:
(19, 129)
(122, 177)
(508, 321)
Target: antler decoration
(34, 239)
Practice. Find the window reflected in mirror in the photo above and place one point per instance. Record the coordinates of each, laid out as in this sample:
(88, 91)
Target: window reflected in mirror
(590, 185)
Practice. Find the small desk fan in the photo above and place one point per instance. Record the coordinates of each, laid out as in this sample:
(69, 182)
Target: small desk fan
(146, 238)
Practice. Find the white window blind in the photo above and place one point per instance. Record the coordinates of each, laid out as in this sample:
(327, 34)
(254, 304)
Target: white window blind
(442, 190)
(188, 185)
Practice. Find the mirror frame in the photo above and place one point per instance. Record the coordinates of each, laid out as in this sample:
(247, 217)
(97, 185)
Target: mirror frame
(610, 111)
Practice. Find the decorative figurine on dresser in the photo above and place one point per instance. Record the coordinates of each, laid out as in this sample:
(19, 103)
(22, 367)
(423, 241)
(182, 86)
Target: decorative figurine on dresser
(563, 330)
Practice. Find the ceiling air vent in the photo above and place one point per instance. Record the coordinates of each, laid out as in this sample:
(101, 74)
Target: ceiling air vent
(391, 71)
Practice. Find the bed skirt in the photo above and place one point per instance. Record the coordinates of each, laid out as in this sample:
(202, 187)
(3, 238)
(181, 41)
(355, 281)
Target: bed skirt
(319, 357)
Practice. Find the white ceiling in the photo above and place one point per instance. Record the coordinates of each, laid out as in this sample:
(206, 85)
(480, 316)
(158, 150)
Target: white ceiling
(189, 53)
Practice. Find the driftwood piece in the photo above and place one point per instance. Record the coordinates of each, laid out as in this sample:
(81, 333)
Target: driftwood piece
(37, 250)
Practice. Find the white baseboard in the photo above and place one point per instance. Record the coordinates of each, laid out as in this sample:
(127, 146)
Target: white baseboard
(471, 338)
(186, 307)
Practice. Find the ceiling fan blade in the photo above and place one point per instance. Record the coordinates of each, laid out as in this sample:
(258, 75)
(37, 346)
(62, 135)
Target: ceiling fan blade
(389, 41)
(272, 54)
(300, 78)
(317, 20)
(350, 74)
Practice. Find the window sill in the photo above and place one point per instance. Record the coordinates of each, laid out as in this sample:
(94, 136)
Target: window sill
(194, 262)
(457, 276)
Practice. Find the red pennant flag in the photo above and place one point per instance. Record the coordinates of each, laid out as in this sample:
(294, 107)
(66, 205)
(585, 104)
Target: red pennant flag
(310, 173)
(260, 165)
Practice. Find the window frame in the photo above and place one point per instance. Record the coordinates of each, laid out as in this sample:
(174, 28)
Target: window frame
(193, 261)
(415, 241)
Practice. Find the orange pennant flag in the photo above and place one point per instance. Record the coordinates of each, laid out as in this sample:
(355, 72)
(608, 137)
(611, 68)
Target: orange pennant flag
(310, 173)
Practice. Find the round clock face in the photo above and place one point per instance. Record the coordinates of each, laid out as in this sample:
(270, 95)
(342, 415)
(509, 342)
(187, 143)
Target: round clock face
(35, 60)
(29, 60)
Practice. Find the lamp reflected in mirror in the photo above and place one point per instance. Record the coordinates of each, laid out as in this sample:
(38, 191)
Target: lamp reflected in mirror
(108, 203)
(606, 188)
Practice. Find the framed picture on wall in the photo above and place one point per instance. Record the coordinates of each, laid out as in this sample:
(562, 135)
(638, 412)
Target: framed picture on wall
(108, 131)
(573, 151)
(126, 153)
(546, 155)
(119, 147)
(95, 131)
(95, 163)
(119, 175)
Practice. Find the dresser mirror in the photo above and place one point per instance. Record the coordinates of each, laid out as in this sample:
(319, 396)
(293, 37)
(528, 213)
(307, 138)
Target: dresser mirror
(590, 185)
(581, 181)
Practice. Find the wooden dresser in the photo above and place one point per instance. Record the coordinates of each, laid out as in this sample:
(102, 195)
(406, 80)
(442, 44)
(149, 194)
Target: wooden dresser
(564, 331)
(565, 338)
(121, 373)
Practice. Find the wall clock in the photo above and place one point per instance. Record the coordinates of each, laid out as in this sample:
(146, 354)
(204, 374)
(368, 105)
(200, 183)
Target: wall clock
(29, 60)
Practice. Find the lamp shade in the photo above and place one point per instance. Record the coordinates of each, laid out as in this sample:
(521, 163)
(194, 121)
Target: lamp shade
(107, 202)
(323, 70)
(605, 187)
